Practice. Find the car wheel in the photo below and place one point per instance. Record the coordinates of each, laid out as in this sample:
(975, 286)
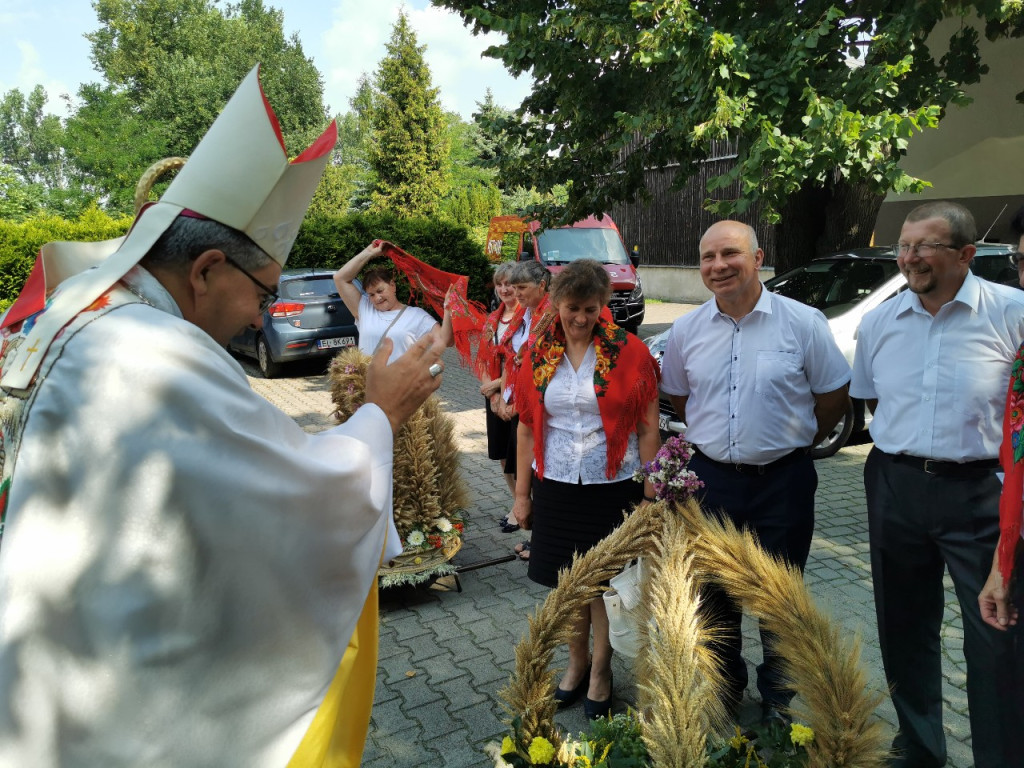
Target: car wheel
(837, 438)
(268, 367)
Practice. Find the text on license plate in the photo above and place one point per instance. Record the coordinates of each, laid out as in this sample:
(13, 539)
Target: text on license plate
(344, 341)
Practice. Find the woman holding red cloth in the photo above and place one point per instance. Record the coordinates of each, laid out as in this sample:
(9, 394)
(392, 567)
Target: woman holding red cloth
(587, 396)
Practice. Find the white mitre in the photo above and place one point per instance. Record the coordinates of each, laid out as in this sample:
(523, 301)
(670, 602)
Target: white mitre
(238, 175)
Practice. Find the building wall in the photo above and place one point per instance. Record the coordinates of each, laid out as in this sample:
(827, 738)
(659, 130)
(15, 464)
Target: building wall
(679, 283)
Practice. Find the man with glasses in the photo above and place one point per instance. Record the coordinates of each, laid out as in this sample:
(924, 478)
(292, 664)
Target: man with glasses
(187, 577)
(932, 364)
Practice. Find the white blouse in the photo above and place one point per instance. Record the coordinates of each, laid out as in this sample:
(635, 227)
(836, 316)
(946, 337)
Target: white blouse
(575, 447)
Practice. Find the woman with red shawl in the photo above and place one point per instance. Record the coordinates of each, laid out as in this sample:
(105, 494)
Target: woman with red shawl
(503, 334)
(1001, 600)
(587, 395)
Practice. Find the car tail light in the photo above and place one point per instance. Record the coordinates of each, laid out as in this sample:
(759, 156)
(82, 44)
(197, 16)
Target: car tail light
(285, 309)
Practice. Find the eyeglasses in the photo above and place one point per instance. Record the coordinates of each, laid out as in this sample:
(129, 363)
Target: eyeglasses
(924, 250)
(1016, 259)
(270, 294)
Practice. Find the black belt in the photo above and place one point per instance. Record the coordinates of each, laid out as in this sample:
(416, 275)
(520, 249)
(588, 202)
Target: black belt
(944, 468)
(756, 469)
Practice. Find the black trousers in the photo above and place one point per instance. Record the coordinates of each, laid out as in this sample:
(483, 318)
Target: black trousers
(779, 507)
(920, 524)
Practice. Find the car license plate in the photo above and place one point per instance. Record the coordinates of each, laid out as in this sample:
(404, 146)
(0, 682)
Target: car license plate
(663, 422)
(344, 341)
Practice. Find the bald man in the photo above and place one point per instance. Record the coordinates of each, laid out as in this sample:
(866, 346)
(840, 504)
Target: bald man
(758, 379)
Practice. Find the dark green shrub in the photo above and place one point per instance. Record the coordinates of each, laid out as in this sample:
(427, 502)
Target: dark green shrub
(21, 241)
(323, 241)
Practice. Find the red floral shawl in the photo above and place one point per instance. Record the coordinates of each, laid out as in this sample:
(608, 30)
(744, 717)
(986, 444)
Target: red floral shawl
(432, 285)
(492, 352)
(540, 319)
(625, 381)
(1011, 455)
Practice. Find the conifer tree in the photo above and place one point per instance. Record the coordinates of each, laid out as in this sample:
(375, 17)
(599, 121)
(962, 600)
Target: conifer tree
(410, 146)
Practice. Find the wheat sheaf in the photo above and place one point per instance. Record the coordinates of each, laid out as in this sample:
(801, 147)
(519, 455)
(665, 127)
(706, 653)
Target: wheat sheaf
(677, 677)
(427, 482)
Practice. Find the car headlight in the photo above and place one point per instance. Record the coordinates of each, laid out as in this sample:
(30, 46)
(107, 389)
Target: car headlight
(638, 292)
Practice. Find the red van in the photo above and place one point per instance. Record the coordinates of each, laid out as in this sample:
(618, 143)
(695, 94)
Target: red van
(592, 238)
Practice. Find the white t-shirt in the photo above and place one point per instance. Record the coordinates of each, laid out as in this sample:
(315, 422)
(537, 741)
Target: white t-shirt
(372, 324)
(940, 381)
(751, 384)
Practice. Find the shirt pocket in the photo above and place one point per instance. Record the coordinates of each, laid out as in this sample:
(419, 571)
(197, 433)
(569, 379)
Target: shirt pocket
(777, 374)
(979, 388)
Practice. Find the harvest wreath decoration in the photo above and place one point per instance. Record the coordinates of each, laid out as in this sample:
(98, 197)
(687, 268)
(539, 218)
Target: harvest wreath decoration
(677, 677)
(429, 493)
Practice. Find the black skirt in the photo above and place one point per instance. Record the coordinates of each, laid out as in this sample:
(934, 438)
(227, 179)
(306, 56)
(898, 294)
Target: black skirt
(570, 518)
(501, 439)
(497, 434)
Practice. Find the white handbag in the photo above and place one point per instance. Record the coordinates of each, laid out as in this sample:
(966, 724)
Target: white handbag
(620, 600)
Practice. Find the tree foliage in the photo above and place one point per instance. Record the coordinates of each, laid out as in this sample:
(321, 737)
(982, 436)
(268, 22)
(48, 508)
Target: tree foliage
(169, 67)
(36, 174)
(821, 96)
(409, 150)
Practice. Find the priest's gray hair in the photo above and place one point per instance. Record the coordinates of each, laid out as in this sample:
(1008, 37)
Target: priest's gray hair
(188, 237)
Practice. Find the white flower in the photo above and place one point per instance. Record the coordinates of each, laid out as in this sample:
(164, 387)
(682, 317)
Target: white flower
(443, 524)
(416, 538)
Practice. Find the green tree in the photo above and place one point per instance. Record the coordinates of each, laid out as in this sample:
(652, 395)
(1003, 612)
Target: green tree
(410, 146)
(18, 199)
(169, 68)
(621, 87)
(37, 170)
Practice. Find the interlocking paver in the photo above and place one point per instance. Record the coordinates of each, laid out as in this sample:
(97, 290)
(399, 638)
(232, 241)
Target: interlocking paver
(461, 644)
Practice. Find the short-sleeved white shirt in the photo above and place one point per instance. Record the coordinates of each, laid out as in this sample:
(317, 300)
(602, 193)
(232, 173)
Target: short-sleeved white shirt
(751, 384)
(940, 381)
(575, 444)
(372, 324)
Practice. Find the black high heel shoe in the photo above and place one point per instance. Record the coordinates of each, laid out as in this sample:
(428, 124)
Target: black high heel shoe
(566, 698)
(596, 710)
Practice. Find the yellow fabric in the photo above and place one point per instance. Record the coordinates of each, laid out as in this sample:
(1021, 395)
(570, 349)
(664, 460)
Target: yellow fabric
(336, 736)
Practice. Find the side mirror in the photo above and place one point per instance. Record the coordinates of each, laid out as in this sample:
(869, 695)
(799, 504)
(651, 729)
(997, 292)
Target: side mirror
(634, 256)
(525, 256)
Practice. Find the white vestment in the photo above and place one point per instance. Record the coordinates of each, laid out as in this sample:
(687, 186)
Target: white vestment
(182, 565)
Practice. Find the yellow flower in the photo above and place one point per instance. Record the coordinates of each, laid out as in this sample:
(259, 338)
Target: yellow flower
(507, 746)
(737, 741)
(541, 751)
(801, 735)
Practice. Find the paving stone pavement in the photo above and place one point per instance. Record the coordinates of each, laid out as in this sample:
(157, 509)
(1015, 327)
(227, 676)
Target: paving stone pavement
(445, 654)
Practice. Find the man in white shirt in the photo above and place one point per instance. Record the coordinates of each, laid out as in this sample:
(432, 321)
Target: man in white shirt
(932, 364)
(759, 379)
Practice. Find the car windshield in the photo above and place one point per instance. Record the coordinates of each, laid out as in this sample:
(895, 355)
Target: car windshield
(560, 246)
(834, 285)
(307, 288)
(995, 266)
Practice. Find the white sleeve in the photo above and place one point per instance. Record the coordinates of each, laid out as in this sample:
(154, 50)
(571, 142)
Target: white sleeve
(674, 380)
(825, 364)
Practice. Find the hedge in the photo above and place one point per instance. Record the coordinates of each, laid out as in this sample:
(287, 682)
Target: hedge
(324, 241)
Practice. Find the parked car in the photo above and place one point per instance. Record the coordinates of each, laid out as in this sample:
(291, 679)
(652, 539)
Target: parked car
(592, 238)
(309, 320)
(845, 286)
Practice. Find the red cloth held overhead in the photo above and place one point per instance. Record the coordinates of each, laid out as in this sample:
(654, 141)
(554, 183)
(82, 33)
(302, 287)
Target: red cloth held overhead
(433, 285)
